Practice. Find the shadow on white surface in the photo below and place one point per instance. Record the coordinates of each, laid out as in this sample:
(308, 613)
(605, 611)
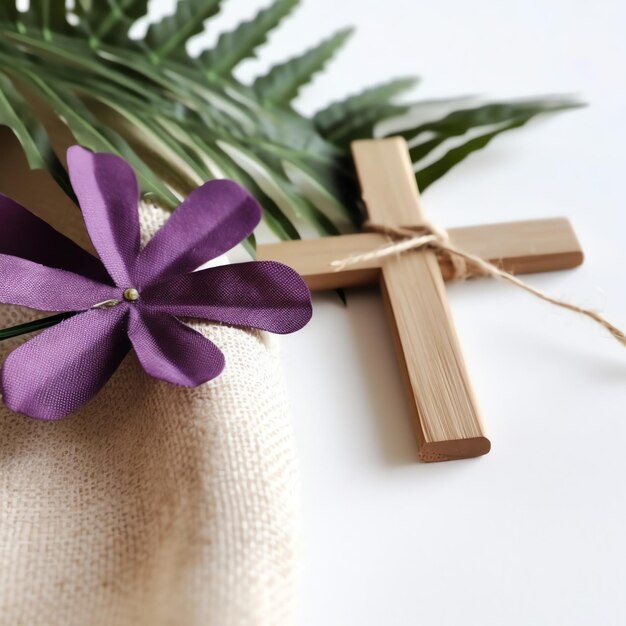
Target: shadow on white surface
(386, 392)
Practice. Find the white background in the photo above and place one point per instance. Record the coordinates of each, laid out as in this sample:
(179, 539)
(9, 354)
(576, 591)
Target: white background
(535, 532)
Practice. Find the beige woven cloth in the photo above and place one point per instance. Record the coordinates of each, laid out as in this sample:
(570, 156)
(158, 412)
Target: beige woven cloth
(154, 505)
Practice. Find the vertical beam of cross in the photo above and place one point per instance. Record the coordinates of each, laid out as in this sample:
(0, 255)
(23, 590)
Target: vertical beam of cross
(448, 422)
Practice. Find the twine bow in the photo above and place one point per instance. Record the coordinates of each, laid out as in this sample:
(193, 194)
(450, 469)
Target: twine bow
(403, 240)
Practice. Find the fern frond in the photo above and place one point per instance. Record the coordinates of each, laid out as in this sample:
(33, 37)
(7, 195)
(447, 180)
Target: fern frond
(283, 82)
(235, 46)
(168, 37)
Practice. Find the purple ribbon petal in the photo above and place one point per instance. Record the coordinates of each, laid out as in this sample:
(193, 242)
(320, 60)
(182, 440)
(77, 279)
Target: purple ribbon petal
(59, 370)
(24, 235)
(213, 219)
(260, 294)
(44, 288)
(172, 351)
(108, 193)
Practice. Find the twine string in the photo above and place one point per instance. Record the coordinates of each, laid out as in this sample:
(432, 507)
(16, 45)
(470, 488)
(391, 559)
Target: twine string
(429, 236)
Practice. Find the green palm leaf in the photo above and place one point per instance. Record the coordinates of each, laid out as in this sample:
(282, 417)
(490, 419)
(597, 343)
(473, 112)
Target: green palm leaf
(459, 122)
(283, 82)
(15, 113)
(109, 21)
(239, 44)
(180, 121)
(45, 16)
(336, 119)
(92, 134)
(428, 175)
(168, 37)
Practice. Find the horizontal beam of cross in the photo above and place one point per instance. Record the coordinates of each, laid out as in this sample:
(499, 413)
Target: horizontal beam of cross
(522, 247)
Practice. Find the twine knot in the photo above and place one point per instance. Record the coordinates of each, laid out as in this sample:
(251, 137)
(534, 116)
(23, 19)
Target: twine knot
(428, 235)
(431, 236)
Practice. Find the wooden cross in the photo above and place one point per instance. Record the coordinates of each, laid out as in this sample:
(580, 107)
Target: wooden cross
(447, 420)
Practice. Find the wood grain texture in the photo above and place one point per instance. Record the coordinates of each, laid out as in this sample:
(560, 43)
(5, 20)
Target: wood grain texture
(524, 247)
(445, 408)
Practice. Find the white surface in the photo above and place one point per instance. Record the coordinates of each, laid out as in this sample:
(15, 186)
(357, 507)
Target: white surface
(535, 532)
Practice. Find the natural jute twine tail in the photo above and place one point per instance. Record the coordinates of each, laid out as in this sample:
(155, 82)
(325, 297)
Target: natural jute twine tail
(403, 240)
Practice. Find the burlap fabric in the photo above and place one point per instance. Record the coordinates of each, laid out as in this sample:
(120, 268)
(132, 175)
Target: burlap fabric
(154, 505)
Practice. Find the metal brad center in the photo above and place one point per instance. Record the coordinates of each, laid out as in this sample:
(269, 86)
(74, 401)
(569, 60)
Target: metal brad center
(131, 294)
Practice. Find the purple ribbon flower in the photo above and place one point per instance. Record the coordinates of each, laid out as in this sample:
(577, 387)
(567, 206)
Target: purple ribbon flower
(133, 297)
